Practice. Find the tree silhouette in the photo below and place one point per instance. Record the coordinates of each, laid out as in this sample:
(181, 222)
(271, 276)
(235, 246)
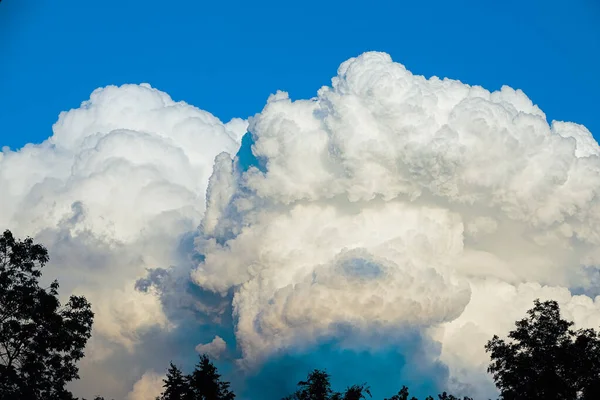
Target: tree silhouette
(402, 395)
(205, 382)
(96, 398)
(446, 396)
(354, 392)
(585, 354)
(317, 386)
(176, 385)
(40, 340)
(546, 359)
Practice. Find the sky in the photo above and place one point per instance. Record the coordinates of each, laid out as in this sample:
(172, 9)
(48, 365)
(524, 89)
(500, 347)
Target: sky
(277, 185)
(227, 56)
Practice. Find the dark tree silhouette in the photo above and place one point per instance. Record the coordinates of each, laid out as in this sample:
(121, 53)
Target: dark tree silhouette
(40, 339)
(96, 398)
(402, 395)
(205, 382)
(176, 385)
(546, 359)
(317, 386)
(354, 392)
(585, 353)
(446, 396)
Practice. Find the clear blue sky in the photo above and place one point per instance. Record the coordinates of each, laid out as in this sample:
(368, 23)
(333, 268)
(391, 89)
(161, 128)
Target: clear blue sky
(228, 56)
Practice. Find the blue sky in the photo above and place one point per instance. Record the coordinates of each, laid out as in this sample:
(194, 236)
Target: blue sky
(228, 56)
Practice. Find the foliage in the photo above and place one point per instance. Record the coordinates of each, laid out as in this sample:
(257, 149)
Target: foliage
(546, 359)
(204, 383)
(96, 398)
(317, 386)
(176, 385)
(402, 395)
(40, 339)
(354, 392)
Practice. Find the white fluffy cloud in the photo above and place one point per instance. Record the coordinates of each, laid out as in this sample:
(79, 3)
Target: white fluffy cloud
(214, 349)
(389, 201)
(395, 200)
(110, 193)
(148, 387)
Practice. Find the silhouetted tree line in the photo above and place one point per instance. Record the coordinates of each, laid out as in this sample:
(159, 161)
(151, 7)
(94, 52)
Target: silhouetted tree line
(41, 341)
(317, 386)
(204, 383)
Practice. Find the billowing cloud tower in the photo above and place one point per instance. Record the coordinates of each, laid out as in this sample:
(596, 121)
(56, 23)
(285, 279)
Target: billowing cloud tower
(384, 229)
(110, 194)
(391, 202)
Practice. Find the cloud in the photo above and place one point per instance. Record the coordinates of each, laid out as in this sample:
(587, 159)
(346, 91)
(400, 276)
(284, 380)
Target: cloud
(111, 193)
(148, 387)
(389, 200)
(358, 268)
(392, 220)
(214, 349)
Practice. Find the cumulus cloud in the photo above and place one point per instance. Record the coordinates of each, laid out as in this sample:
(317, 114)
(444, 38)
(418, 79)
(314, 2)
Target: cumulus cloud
(393, 219)
(392, 200)
(110, 193)
(148, 387)
(214, 349)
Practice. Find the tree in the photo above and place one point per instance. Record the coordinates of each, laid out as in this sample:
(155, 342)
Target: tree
(446, 396)
(176, 385)
(546, 359)
(585, 353)
(402, 395)
(96, 398)
(40, 339)
(354, 392)
(205, 382)
(317, 386)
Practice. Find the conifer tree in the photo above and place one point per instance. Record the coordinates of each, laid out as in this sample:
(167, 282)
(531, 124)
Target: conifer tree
(175, 384)
(205, 382)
